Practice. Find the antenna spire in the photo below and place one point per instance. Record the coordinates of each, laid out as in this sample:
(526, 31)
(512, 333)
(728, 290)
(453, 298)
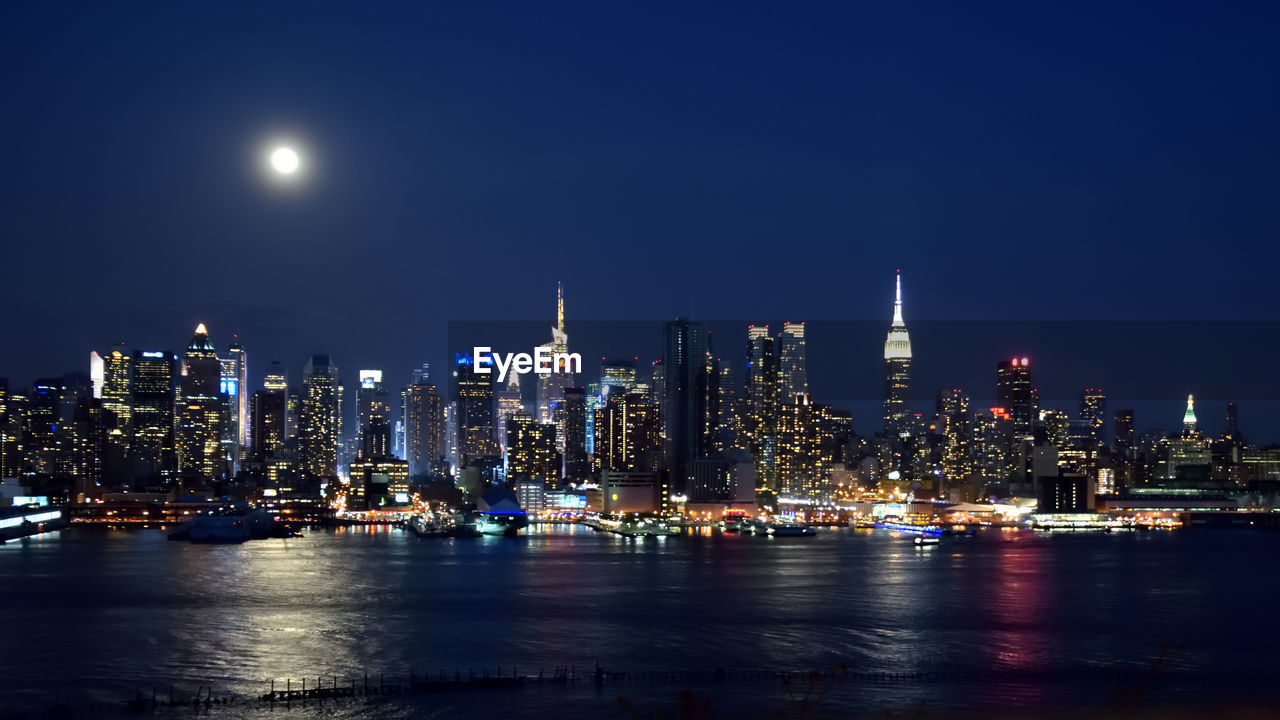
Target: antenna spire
(897, 304)
(559, 306)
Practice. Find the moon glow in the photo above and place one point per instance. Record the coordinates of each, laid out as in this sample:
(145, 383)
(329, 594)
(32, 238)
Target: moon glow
(284, 160)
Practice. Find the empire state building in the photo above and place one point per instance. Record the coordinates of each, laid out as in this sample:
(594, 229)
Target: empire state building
(897, 371)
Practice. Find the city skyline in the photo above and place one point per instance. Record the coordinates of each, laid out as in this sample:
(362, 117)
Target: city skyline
(918, 399)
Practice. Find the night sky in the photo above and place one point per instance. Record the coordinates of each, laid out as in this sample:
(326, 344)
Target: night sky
(1082, 162)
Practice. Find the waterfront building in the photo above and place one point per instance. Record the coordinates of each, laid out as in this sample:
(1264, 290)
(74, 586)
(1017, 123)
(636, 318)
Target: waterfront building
(631, 492)
(377, 482)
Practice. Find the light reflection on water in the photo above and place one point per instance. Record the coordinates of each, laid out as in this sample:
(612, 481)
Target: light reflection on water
(97, 613)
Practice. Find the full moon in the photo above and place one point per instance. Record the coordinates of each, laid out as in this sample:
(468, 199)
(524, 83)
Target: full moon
(284, 160)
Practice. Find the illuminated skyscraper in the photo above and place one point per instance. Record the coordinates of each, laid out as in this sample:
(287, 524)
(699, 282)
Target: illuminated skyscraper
(1093, 413)
(154, 398)
(805, 449)
(237, 391)
(551, 385)
(41, 441)
(1015, 394)
(532, 454)
(628, 434)
(763, 390)
(200, 410)
(1189, 418)
(320, 418)
(475, 414)
(117, 400)
(424, 428)
(12, 420)
(793, 374)
(897, 372)
(373, 415)
(956, 428)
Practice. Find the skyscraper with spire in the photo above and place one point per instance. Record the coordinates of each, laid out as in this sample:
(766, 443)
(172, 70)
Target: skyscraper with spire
(897, 371)
(199, 411)
(551, 386)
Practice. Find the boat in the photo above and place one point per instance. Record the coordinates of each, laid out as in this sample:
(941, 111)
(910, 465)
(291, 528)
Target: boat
(788, 528)
(506, 524)
(498, 512)
(234, 523)
(24, 520)
(924, 540)
(733, 521)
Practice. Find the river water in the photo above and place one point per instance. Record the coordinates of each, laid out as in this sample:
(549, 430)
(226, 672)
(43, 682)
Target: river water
(92, 616)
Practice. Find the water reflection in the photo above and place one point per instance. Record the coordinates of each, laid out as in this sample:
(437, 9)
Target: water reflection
(137, 611)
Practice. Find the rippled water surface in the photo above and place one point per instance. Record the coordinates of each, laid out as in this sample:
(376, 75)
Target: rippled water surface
(92, 616)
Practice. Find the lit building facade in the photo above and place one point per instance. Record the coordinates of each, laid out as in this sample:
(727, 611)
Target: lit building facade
(200, 412)
(1016, 395)
(532, 453)
(154, 399)
(320, 418)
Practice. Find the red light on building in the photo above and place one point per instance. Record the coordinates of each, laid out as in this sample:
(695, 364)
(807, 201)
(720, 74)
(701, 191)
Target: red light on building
(1024, 362)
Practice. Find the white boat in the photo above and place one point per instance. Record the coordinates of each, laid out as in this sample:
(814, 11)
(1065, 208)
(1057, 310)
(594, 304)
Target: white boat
(923, 540)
